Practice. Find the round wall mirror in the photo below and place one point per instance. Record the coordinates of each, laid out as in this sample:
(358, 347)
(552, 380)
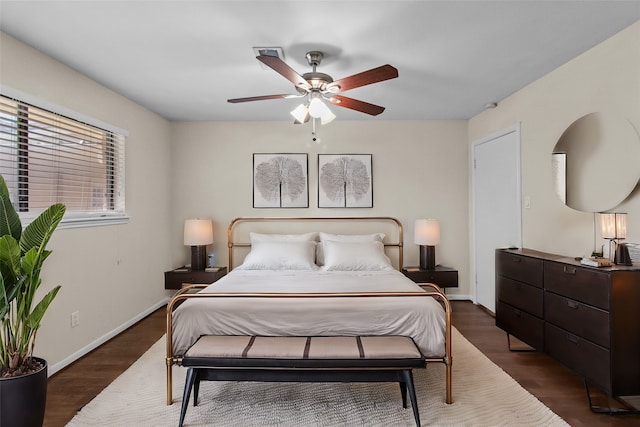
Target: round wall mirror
(596, 162)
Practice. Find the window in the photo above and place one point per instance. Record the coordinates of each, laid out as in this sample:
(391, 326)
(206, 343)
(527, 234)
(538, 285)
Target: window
(48, 158)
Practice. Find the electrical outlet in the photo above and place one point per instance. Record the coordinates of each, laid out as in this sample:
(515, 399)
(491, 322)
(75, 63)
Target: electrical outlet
(75, 319)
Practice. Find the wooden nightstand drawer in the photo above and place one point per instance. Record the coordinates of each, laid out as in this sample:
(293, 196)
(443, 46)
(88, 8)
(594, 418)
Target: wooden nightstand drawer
(583, 284)
(520, 324)
(583, 320)
(521, 268)
(520, 295)
(444, 277)
(175, 279)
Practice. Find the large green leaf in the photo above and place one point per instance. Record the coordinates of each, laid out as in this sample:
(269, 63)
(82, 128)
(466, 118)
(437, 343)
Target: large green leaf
(39, 231)
(9, 220)
(38, 312)
(9, 272)
(9, 255)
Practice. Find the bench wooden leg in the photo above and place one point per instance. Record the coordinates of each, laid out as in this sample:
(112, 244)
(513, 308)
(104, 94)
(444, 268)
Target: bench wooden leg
(188, 385)
(196, 387)
(403, 391)
(408, 379)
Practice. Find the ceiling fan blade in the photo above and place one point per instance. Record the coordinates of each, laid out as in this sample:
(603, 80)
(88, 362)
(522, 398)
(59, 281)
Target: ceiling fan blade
(261, 98)
(375, 75)
(354, 104)
(281, 67)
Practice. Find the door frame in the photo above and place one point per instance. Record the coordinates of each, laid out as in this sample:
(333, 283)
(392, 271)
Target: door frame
(511, 129)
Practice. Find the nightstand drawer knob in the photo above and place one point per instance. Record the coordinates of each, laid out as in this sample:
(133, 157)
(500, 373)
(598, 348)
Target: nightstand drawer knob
(569, 270)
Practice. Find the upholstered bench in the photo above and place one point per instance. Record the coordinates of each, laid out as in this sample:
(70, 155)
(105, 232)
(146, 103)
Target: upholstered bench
(302, 359)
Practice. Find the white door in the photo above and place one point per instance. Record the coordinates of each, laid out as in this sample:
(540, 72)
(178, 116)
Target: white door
(496, 206)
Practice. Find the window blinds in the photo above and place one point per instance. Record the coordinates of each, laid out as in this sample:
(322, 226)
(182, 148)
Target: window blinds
(48, 158)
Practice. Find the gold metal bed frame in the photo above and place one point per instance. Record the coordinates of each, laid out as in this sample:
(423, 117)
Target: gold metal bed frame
(183, 294)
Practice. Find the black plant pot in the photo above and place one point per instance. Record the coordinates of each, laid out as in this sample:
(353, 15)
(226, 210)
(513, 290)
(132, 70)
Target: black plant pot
(23, 399)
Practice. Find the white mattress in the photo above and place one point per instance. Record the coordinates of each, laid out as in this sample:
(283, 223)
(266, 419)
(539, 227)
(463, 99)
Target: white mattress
(421, 318)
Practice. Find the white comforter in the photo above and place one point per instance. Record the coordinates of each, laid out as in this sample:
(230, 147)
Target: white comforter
(421, 318)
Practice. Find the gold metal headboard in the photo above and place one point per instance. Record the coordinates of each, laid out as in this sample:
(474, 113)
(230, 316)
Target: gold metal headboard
(395, 241)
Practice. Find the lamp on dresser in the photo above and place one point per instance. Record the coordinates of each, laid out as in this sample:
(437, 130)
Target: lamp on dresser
(198, 233)
(613, 227)
(427, 235)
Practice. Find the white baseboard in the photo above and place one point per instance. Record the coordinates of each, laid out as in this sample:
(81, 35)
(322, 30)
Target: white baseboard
(459, 297)
(95, 344)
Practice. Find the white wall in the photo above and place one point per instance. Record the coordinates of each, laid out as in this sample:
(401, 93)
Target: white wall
(111, 274)
(603, 79)
(419, 171)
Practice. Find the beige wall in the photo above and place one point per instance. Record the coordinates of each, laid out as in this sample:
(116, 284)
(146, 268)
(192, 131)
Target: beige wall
(604, 79)
(110, 274)
(419, 171)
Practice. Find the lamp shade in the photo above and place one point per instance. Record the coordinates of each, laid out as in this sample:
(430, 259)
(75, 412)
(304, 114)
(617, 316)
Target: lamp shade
(427, 232)
(198, 232)
(300, 113)
(319, 110)
(613, 225)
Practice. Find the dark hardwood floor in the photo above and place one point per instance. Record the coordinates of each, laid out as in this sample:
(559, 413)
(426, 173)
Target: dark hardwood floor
(553, 384)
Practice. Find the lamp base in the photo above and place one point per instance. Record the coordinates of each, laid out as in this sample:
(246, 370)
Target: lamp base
(622, 256)
(198, 258)
(427, 257)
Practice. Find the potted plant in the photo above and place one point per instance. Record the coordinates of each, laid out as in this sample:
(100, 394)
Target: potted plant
(23, 377)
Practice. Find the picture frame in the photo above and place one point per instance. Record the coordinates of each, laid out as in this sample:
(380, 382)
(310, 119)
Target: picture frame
(280, 180)
(345, 181)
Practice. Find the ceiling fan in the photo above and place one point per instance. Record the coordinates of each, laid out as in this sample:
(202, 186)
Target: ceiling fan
(318, 86)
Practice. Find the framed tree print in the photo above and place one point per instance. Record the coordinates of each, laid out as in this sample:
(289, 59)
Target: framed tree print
(345, 181)
(280, 181)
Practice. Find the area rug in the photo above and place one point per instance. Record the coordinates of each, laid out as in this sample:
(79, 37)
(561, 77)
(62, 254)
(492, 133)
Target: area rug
(483, 394)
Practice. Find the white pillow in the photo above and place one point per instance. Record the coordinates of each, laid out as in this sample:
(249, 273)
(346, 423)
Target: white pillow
(280, 256)
(305, 237)
(375, 237)
(351, 256)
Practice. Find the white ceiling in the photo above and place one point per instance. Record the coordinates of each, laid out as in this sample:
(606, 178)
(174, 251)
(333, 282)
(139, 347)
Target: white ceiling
(184, 59)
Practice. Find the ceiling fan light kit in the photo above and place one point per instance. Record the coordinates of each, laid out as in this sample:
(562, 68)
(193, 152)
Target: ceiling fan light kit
(316, 87)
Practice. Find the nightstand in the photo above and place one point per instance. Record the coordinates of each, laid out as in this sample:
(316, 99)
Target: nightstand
(175, 279)
(444, 277)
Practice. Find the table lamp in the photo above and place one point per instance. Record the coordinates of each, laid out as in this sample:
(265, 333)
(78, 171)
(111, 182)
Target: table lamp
(198, 233)
(427, 235)
(613, 227)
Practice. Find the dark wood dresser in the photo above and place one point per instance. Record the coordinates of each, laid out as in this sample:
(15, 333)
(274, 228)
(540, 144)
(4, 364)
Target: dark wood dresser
(585, 317)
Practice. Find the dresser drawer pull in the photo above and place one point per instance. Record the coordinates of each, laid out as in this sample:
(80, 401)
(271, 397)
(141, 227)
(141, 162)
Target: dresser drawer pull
(572, 304)
(569, 270)
(518, 313)
(572, 338)
(516, 259)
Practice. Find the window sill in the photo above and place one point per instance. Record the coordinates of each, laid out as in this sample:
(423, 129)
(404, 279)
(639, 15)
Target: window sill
(81, 222)
(92, 222)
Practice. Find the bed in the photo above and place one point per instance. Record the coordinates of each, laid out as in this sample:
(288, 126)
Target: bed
(288, 278)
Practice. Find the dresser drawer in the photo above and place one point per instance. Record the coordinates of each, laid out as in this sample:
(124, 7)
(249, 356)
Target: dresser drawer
(520, 324)
(587, 285)
(520, 268)
(584, 357)
(578, 318)
(520, 295)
